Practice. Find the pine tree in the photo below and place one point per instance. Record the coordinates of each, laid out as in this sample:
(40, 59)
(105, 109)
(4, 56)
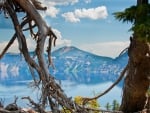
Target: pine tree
(137, 79)
(108, 106)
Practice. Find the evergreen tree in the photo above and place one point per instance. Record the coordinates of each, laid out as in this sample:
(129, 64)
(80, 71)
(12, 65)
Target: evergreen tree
(108, 106)
(137, 79)
(115, 105)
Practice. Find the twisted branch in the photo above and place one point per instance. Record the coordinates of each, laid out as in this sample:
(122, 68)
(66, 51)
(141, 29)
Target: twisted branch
(108, 89)
(51, 91)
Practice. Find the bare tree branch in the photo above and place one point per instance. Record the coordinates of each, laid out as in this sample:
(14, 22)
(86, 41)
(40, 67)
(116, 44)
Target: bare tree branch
(108, 89)
(51, 92)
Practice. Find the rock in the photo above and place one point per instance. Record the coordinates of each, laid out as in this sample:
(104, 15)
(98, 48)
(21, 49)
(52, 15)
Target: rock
(11, 107)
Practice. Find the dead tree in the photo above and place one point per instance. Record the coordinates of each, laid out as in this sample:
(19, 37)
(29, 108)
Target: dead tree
(52, 94)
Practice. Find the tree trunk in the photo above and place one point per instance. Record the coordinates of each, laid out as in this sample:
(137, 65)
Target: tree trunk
(137, 80)
(139, 2)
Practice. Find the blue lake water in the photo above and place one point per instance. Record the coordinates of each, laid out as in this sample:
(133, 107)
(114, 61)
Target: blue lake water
(81, 74)
(71, 89)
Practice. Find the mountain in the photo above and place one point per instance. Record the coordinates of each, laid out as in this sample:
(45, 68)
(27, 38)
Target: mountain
(70, 63)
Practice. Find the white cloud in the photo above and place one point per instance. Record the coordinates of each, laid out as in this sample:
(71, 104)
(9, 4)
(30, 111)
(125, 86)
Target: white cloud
(52, 11)
(32, 44)
(110, 49)
(60, 2)
(14, 46)
(70, 16)
(91, 13)
(61, 41)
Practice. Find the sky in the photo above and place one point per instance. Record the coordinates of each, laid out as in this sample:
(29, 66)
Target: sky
(86, 24)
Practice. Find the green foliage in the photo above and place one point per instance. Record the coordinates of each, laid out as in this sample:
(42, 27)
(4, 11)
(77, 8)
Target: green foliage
(90, 104)
(114, 106)
(139, 16)
(135, 14)
(93, 104)
(148, 92)
(66, 110)
(126, 16)
(108, 106)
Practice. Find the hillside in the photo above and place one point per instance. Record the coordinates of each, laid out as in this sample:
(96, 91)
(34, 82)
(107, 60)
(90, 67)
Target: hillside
(70, 63)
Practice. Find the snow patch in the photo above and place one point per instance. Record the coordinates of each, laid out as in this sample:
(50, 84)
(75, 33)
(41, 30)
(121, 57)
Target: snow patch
(15, 71)
(3, 70)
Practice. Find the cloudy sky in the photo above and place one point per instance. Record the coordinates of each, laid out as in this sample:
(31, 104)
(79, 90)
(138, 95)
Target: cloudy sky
(86, 24)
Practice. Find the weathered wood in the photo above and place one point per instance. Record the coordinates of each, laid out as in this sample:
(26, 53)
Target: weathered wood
(136, 81)
(52, 93)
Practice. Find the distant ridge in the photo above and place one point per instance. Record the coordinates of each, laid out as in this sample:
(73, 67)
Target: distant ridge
(68, 50)
(70, 63)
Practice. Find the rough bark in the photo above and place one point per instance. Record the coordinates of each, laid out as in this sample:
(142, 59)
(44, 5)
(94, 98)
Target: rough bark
(137, 80)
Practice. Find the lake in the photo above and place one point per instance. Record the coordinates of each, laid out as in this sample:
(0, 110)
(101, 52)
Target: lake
(72, 89)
